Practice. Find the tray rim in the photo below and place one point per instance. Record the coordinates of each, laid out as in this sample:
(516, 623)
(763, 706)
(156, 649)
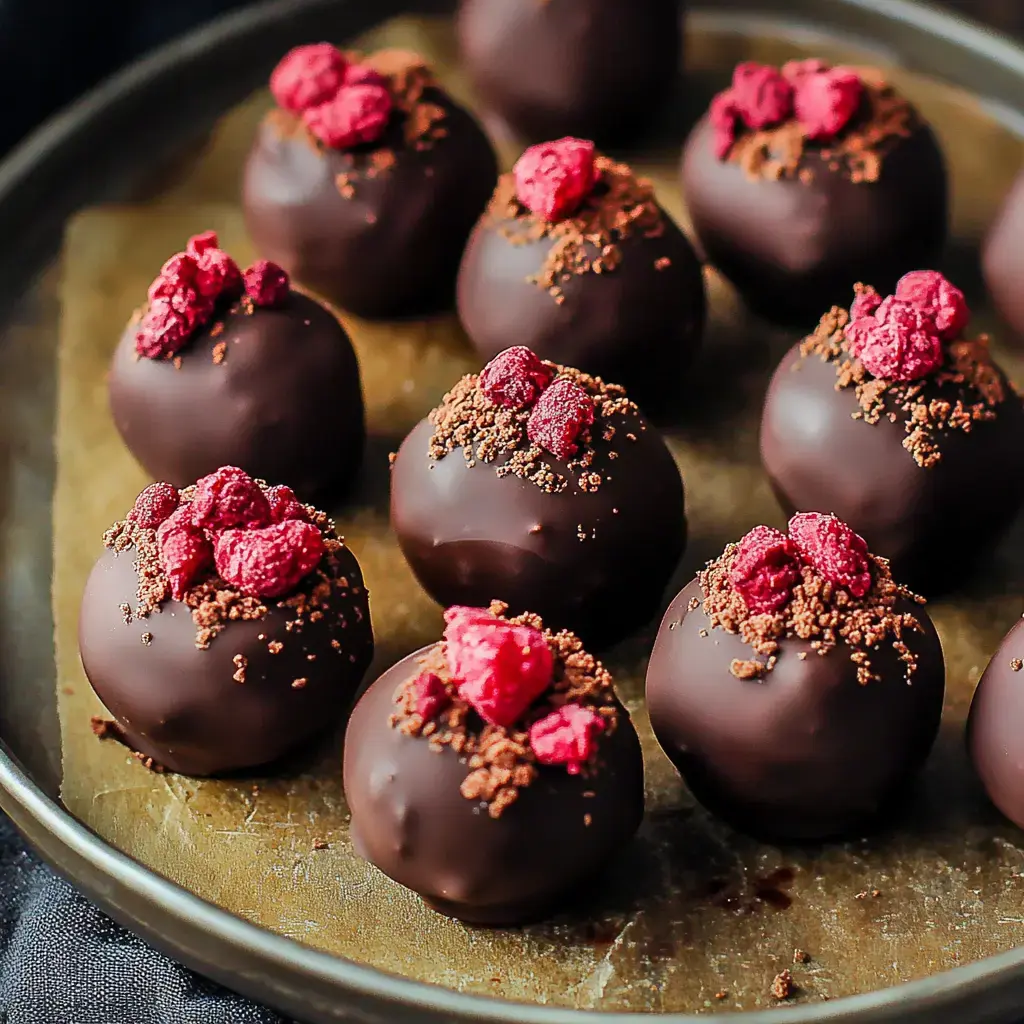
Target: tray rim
(106, 875)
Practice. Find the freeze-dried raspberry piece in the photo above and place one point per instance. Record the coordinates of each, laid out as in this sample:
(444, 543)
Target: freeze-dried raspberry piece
(865, 302)
(567, 736)
(431, 695)
(163, 330)
(723, 116)
(308, 76)
(177, 273)
(499, 669)
(153, 506)
(562, 413)
(761, 95)
(553, 178)
(938, 298)
(515, 378)
(825, 102)
(765, 569)
(185, 553)
(270, 561)
(217, 275)
(267, 284)
(898, 343)
(198, 244)
(284, 505)
(229, 498)
(836, 553)
(795, 71)
(355, 116)
(363, 74)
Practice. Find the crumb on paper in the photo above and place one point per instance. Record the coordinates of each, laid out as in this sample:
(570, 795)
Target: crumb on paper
(783, 986)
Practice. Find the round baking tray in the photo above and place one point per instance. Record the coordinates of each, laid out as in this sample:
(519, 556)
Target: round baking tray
(105, 147)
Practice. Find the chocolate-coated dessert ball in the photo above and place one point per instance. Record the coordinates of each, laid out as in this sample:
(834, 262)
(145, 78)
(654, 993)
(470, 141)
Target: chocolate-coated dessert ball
(1003, 261)
(995, 728)
(575, 259)
(365, 182)
(795, 685)
(224, 625)
(222, 368)
(892, 416)
(597, 68)
(802, 181)
(538, 485)
(494, 773)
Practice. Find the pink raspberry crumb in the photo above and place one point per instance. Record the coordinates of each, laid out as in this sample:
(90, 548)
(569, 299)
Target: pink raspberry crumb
(567, 736)
(765, 569)
(268, 561)
(217, 275)
(795, 71)
(515, 378)
(154, 505)
(198, 244)
(761, 95)
(500, 669)
(938, 298)
(553, 178)
(284, 505)
(355, 116)
(267, 284)
(898, 343)
(363, 74)
(178, 273)
(431, 695)
(308, 76)
(561, 414)
(829, 546)
(164, 329)
(865, 302)
(723, 117)
(229, 498)
(826, 101)
(185, 553)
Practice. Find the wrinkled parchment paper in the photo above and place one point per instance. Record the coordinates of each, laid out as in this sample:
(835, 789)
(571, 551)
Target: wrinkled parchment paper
(693, 910)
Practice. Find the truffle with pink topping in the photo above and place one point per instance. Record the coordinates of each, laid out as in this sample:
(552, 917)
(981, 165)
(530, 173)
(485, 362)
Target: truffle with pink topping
(494, 773)
(893, 415)
(224, 626)
(802, 179)
(366, 179)
(795, 684)
(541, 486)
(575, 259)
(225, 367)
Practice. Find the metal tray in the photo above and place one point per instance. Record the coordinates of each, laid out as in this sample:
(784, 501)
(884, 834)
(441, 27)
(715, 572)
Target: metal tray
(109, 146)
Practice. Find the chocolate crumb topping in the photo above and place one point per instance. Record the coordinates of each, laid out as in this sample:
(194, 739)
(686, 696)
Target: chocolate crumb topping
(108, 729)
(783, 986)
(1016, 664)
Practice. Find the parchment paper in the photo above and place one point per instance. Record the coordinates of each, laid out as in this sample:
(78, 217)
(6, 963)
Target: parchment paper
(693, 910)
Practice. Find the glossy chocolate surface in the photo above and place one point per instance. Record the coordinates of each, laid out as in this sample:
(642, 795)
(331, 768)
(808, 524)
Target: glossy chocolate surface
(593, 562)
(1003, 261)
(411, 821)
(804, 753)
(285, 404)
(636, 325)
(932, 523)
(793, 248)
(181, 706)
(392, 249)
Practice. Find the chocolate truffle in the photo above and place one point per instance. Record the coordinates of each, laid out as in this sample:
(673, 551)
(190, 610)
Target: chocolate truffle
(795, 685)
(494, 773)
(802, 181)
(995, 727)
(575, 259)
(596, 68)
(1003, 262)
(538, 485)
(892, 416)
(366, 180)
(222, 368)
(224, 625)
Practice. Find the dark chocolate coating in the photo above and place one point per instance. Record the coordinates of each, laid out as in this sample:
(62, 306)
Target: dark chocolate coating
(793, 249)
(411, 821)
(393, 248)
(933, 523)
(1003, 261)
(471, 536)
(636, 325)
(995, 728)
(595, 69)
(804, 753)
(180, 705)
(286, 403)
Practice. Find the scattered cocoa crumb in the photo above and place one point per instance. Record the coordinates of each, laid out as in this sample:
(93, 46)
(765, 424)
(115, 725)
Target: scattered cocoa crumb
(275, 647)
(298, 684)
(800, 957)
(663, 263)
(321, 844)
(220, 351)
(1016, 664)
(703, 632)
(108, 729)
(783, 986)
(147, 639)
(391, 457)
(241, 663)
(588, 820)
(721, 994)
(126, 612)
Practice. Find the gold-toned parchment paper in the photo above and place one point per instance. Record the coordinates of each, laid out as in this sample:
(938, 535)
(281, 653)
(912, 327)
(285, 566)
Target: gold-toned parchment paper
(693, 910)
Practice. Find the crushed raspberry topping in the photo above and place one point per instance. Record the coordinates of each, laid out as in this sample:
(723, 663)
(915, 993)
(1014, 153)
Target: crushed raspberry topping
(363, 74)
(229, 498)
(267, 284)
(284, 505)
(154, 505)
(835, 552)
(562, 413)
(308, 76)
(795, 71)
(941, 300)
(515, 378)
(761, 96)
(431, 695)
(553, 178)
(355, 116)
(185, 551)
(866, 301)
(217, 275)
(567, 736)
(268, 561)
(500, 669)
(826, 100)
(765, 569)
(724, 116)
